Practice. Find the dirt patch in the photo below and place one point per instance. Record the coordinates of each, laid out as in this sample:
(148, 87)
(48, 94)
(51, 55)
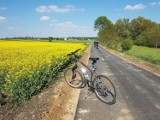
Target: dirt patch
(57, 101)
(64, 104)
(140, 63)
(58, 105)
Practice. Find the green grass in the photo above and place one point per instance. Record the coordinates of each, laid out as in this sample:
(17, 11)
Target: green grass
(148, 54)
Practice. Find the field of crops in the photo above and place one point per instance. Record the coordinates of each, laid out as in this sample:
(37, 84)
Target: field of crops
(149, 54)
(25, 67)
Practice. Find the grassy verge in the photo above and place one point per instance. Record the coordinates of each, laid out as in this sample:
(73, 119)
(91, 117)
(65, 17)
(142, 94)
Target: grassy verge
(149, 54)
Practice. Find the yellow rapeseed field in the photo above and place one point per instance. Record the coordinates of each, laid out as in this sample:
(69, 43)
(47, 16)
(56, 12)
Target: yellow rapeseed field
(26, 66)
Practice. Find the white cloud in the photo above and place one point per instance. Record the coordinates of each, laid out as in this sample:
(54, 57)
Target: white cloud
(44, 18)
(66, 25)
(134, 7)
(70, 29)
(55, 9)
(2, 18)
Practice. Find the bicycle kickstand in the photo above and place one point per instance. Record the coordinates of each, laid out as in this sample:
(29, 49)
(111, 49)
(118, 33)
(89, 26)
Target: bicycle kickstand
(90, 91)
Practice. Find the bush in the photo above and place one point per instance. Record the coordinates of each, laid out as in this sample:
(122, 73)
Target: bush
(126, 45)
(141, 41)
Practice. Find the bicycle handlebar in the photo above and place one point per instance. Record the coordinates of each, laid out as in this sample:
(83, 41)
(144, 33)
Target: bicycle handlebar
(73, 53)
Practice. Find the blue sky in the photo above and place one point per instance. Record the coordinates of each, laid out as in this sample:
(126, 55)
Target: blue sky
(68, 18)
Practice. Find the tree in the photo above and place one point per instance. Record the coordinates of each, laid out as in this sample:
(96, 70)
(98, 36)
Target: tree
(122, 28)
(50, 39)
(107, 34)
(138, 26)
(100, 22)
(153, 36)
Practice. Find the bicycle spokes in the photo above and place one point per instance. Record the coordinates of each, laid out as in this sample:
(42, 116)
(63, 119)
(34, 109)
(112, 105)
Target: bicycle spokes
(73, 78)
(104, 89)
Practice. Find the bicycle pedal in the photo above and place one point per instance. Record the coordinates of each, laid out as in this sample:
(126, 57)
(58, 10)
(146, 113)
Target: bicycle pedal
(91, 89)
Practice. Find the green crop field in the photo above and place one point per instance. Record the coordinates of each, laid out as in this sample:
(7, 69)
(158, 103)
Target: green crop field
(149, 54)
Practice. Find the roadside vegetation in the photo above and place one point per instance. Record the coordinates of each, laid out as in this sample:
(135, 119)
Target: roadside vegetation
(143, 33)
(149, 54)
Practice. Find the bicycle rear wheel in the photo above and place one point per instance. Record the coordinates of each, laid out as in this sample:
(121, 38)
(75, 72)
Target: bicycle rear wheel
(73, 78)
(104, 89)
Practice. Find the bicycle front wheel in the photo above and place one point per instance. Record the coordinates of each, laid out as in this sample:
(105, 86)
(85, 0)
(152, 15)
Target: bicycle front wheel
(73, 78)
(104, 89)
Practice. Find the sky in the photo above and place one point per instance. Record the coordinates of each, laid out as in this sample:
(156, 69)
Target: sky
(68, 18)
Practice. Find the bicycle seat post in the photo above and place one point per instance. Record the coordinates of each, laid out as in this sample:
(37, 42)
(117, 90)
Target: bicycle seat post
(94, 60)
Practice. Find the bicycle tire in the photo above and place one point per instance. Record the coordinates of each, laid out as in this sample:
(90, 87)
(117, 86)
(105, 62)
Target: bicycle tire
(75, 82)
(103, 91)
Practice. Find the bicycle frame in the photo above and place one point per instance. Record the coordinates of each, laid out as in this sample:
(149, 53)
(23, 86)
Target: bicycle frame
(93, 73)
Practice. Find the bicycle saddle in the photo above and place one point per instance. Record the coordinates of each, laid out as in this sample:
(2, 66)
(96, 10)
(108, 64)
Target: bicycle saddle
(94, 59)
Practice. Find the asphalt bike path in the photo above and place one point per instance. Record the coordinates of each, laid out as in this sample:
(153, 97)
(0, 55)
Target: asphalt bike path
(138, 92)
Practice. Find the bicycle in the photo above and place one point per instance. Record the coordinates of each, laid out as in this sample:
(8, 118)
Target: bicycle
(101, 85)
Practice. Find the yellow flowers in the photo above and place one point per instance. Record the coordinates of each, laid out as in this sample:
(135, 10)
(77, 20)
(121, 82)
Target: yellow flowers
(29, 65)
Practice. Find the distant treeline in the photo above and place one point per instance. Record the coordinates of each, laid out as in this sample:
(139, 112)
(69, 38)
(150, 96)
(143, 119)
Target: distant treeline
(49, 38)
(142, 31)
